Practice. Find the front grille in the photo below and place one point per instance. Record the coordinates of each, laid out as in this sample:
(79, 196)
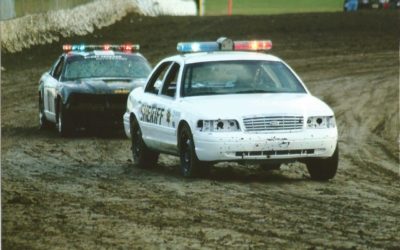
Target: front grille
(98, 102)
(272, 123)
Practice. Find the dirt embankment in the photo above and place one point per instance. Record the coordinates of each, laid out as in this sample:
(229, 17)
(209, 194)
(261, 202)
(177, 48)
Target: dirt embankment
(83, 193)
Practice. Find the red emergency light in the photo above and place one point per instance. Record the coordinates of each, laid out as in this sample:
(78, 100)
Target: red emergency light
(253, 45)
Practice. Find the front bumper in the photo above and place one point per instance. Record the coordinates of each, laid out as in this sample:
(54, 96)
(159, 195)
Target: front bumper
(237, 146)
(97, 108)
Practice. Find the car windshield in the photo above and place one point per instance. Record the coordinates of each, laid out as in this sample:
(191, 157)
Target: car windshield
(239, 77)
(106, 66)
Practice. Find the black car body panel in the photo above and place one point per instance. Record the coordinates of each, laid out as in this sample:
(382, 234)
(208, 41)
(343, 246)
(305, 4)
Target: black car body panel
(97, 101)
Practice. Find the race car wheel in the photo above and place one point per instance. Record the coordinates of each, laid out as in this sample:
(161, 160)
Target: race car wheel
(43, 122)
(191, 166)
(64, 126)
(142, 156)
(324, 169)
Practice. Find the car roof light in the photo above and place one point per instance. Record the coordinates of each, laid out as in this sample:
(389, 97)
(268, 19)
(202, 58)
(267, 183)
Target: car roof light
(82, 47)
(253, 45)
(106, 47)
(67, 47)
(224, 44)
(129, 47)
(197, 47)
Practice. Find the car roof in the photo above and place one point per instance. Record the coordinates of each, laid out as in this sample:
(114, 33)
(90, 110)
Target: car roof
(221, 56)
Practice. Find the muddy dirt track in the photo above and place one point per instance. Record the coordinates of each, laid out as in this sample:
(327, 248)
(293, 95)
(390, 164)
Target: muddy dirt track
(83, 192)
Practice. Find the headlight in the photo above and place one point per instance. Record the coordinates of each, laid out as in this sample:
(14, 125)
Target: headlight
(218, 125)
(321, 122)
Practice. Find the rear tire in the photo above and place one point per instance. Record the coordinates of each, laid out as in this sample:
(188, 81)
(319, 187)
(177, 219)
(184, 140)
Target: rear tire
(43, 122)
(142, 156)
(324, 169)
(190, 165)
(64, 123)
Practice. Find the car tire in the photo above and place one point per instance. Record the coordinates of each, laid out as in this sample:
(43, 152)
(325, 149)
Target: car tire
(142, 156)
(190, 165)
(64, 123)
(43, 122)
(324, 169)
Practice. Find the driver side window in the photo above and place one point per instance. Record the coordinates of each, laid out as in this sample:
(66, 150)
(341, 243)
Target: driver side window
(58, 69)
(169, 87)
(157, 78)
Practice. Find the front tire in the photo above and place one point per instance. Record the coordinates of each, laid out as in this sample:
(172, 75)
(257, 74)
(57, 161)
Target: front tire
(191, 166)
(324, 169)
(64, 124)
(43, 122)
(142, 156)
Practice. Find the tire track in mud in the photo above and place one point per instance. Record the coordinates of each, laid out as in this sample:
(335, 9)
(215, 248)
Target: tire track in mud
(369, 124)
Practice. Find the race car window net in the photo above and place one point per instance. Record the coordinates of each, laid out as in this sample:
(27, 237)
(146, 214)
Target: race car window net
(89, 47)
(116, 66)
(58, 68)
(238, 77)
(224, 44)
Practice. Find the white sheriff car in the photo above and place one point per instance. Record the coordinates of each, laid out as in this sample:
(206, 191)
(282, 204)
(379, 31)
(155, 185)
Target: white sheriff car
(218, 101)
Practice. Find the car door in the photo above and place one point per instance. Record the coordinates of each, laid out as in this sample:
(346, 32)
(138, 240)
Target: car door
(151, 113)
(167, 101)
(49, 90)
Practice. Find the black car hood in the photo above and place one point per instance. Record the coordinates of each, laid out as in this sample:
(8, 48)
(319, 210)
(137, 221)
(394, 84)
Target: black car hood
(98, 87)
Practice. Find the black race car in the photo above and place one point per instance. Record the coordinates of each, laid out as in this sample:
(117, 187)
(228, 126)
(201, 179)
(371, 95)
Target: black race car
(89, 85)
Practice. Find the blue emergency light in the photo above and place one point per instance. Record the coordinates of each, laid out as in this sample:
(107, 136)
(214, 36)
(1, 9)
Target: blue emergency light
(197, 47)
(224, 44)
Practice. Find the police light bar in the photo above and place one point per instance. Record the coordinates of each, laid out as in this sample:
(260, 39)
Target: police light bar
(197, 47)
(224, 44)
(253, 45)
(85, 47)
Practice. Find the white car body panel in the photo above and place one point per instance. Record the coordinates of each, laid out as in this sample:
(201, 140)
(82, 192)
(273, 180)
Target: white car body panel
(159, 118)
(49, 95)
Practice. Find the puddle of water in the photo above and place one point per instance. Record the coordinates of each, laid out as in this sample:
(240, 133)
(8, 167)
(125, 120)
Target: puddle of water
(17, 8)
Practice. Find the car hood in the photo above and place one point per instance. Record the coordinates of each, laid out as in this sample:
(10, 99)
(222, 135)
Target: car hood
(102, 86)
(98, 87)
(250, 105)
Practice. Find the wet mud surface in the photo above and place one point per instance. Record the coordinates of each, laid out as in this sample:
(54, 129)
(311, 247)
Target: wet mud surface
(83, 192)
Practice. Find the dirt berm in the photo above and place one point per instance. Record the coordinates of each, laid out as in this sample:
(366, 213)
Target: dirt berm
(83, 192)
